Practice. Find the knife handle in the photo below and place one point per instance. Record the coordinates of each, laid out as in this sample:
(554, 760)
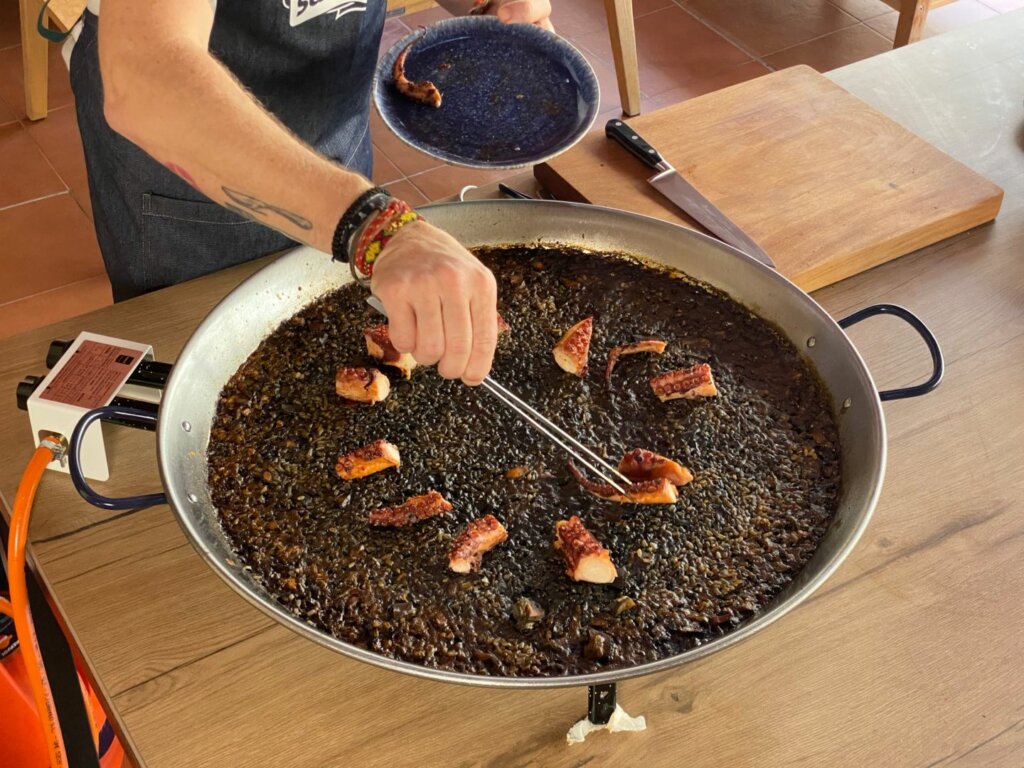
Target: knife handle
(619, 131)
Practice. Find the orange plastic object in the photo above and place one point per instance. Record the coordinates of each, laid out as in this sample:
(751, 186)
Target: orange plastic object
(26, 702)
(21, 736)
(21, 515)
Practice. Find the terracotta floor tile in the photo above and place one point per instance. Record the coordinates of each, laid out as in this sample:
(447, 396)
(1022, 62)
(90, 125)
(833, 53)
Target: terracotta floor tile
(575, 18)
(835, 50)
(384, 171)
(394, 30)
(673, 49)
(12, 86)
(409, 161)
(46, 244)
(24, 173)
(1004, 6)
(885, 25)
(10, 27)
(953, 16)
(7, 113)
(449, 179)
(862, 9)
(406, 190)
(767, 26)
(740, 74)
(54, 305)
(644, 7)
(606, 79)
(58, 138)
(425, 18)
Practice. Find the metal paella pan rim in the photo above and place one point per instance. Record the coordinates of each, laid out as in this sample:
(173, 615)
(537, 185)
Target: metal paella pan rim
(499, 111)
(230, 333)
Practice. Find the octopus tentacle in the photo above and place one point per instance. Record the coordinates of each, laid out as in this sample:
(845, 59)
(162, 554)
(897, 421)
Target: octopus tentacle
(424, 91)
(378, 455)
(640, 464)
(477, 537)
(362, 385)
(412, 511)
(655, 491)
(688, 383)
(379, 346)
(585, 558)
(573, 349)
(655, 346)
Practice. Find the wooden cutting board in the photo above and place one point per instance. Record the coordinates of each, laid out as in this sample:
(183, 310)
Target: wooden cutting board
(828, 186)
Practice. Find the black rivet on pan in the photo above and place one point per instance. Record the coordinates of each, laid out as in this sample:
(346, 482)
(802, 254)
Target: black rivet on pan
(600, 703)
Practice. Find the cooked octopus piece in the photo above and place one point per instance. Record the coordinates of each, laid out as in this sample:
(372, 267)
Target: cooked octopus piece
(424, 91)
(362, 385)
(573, 349)
(413, 510)
(655, 491)
(688, 383)
(379, 347)
(378, 455)
(655, 346)
(480, 535)
(585, 558)
(641, 464)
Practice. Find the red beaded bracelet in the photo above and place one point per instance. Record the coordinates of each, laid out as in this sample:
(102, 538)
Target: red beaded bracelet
(378, 232)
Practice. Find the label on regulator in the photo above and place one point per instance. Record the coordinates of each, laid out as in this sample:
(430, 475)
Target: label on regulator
(93, 375)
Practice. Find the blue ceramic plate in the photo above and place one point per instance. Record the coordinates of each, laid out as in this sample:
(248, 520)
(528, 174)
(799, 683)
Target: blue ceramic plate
(512, 94)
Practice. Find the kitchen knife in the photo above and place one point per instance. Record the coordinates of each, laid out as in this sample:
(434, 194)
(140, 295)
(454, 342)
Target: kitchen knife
(681, 192)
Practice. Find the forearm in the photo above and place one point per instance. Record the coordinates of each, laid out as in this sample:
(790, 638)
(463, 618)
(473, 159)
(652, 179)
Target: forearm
(186, 110)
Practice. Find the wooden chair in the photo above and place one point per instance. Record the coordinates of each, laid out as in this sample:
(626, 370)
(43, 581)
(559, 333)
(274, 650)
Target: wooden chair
(620, 27)
(61, 15)
(913, 15)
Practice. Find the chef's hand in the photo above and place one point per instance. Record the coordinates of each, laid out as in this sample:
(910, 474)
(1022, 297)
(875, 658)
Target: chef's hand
(523, 12)
(441, 302)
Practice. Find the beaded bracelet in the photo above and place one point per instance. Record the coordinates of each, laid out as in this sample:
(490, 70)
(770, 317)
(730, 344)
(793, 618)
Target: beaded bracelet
(372, 201)
(376, 235)
(372, 229)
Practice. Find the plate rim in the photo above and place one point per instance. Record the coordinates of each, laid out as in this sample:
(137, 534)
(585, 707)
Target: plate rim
(465, 162)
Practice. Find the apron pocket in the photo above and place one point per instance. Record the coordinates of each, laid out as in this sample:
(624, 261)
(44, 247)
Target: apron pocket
(184, 239)
(200, 212)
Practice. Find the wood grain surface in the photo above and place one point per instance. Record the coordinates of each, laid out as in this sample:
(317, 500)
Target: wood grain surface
(824, 183)
(910, 655)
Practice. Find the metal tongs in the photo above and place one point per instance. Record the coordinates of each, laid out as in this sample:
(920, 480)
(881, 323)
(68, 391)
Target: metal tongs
(546, 427)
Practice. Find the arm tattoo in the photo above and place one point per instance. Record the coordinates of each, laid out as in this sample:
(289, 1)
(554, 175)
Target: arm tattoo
(254, 208)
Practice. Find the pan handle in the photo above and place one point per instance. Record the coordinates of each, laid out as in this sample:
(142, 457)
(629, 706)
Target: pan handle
(123, 415)
(938, 367)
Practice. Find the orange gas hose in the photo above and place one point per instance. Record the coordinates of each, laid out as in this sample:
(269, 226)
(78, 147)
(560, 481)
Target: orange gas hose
(6, 607)
(38, 681)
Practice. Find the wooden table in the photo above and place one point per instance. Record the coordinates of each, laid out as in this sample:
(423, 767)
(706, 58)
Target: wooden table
(911, 654)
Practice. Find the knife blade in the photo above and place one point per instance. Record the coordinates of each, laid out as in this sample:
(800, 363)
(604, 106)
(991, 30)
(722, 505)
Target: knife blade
(683, 194)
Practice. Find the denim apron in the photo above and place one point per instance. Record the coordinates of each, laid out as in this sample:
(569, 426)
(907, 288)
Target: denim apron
(309, 62)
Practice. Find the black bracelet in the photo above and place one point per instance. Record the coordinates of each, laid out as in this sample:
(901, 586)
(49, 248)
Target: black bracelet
(372, 200)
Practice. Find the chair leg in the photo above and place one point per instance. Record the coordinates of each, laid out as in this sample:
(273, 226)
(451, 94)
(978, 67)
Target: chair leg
(34, 60)
(620, 25)
(913, 15)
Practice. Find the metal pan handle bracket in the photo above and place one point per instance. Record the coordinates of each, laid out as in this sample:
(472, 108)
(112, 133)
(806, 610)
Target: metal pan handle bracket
(108, 413)
(600, 703)
(938, 366)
